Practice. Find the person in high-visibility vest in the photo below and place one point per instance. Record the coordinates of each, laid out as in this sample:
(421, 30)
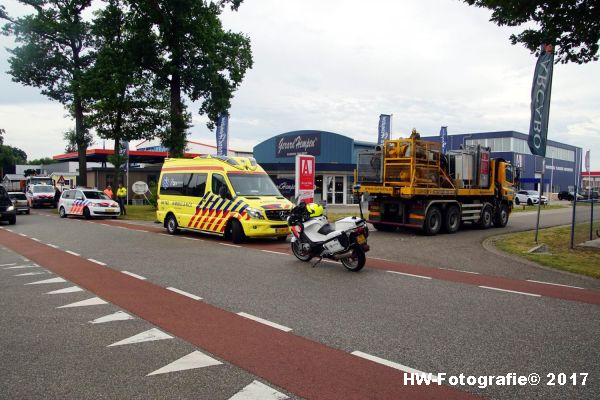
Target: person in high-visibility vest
(122, 198)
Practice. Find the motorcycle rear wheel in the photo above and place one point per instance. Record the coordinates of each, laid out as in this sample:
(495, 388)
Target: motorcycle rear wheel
(356, 261)
(299, 252)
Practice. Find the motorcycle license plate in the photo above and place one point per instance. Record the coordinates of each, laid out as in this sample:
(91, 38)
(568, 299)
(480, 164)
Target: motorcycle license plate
(281, 231)
(360, 239)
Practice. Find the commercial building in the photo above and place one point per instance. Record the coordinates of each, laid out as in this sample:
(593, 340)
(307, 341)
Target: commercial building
(335, 157)
(563, 161)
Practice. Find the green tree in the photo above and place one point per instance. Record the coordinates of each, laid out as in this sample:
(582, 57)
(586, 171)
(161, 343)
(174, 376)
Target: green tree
(125, 105)
(42, 161)
(71, 138)
(2, 133)
(9, 157)
(573, 26)
(189, 53)
(53, 55)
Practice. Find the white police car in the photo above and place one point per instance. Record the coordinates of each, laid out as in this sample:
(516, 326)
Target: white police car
(87, 202)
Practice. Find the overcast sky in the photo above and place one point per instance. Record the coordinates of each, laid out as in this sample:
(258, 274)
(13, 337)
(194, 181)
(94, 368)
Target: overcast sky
(336, 65)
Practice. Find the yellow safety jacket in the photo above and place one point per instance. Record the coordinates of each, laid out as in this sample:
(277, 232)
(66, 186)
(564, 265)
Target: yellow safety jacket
(122, 192)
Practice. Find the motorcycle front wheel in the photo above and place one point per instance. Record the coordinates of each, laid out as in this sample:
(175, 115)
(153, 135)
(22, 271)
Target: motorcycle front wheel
(356, 261)
(299, 252)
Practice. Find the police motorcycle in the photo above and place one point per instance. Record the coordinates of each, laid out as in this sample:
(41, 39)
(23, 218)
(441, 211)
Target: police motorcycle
(344, 240)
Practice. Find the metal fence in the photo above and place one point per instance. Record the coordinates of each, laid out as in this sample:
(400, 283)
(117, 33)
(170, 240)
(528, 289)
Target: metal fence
(587, 221)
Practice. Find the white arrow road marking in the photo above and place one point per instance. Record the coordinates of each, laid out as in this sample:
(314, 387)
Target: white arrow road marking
(23, 266)
(258, 391)
(147, 336)
(6, 265)
(94, 301)
(32, 273)
(118, 316)
(193, 360)
(71, 289)
(53, 280)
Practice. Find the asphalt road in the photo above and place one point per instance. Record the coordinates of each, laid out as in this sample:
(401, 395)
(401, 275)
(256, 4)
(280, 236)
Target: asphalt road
(433, 325)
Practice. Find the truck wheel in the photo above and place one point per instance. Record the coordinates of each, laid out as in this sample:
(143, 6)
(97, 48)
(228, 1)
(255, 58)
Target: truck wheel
(384, 227)
(486, 217)
(433, 221)
(171, 225)
(501, 217)
(237, 232)
(452, 219)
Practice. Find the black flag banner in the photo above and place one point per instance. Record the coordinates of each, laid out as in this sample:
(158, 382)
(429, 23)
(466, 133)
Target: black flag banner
(540, 101)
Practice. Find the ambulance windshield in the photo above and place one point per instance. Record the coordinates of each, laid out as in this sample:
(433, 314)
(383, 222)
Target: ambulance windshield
(253, 185)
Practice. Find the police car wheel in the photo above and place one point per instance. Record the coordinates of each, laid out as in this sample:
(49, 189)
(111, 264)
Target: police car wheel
(61, 213)
(86, 213)
(171, 225)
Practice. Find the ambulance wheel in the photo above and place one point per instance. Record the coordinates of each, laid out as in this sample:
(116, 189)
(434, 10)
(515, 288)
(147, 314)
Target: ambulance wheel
(61, 213)
(171, 225)
(86, 213)
(237, 232)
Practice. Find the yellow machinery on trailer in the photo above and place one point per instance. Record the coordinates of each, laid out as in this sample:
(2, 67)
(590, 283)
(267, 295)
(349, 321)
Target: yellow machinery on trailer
(409, 182)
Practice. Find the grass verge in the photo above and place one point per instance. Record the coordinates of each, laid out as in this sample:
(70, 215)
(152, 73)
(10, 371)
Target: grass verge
(140, 213)
(580, 260)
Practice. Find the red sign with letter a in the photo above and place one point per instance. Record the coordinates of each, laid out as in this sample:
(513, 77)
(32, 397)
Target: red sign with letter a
(305, 178)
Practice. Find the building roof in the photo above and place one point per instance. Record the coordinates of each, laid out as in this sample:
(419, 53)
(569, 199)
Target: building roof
(135, 156)
(14, 177)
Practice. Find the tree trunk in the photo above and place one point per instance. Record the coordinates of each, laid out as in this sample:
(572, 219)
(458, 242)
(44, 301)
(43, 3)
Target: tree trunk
(81, 143)
(176, 142)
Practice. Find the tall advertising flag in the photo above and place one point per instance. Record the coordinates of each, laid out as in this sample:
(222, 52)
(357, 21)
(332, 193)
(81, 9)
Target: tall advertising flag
(444, 139)
(540, 101)
(587, 161)
(222, 134)
(385, 128)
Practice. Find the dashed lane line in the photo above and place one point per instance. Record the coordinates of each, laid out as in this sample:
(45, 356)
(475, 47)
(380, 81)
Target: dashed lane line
(230, 245)
(275, 252)
(392, 364)
(555, 284)
(96, 261)
(411, 275)
(134, 275)
(265, 322)
(511, 291)
(73, 253)
(52, 245)
(183, 293)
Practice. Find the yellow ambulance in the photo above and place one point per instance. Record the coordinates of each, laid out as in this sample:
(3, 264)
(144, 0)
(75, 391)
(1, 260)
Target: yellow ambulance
(227, 196)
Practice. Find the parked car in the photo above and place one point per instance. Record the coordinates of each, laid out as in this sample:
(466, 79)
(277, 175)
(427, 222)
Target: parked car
(589, 194)
(19, 200)
(565, 195)
(88, 203)
(529, 197)
(7, 209)
(40, 195)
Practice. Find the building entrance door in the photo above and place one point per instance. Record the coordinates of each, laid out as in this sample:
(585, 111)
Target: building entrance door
(334, 189)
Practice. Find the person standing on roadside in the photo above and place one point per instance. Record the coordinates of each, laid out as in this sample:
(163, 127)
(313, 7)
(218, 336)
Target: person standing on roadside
(57, 194)
(122, 198)
(108, 191)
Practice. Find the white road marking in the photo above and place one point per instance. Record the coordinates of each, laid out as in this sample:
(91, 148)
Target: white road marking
(258, 391)
(412, 275)
(6, 265)
(118, 316)
(382, 259)
(265, 322)
(147, 336)
(23, 266)
(10, 230)
(134, 275)
(193, 296)
(32, 273)
(555, 284)
(73, 253)
(71, 289)
(392, 364)
(96, 261)
(461, 270)
(511, 291)
(52, 245)
(94, 301)
(22, 234)
(193, 360)
(36, 239)
(274, 252)
(53, 280)
(230, 245)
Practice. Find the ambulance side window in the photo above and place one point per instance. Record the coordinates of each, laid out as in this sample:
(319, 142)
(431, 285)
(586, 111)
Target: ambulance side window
(195, 185)
(172, 184)
(217, 182)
